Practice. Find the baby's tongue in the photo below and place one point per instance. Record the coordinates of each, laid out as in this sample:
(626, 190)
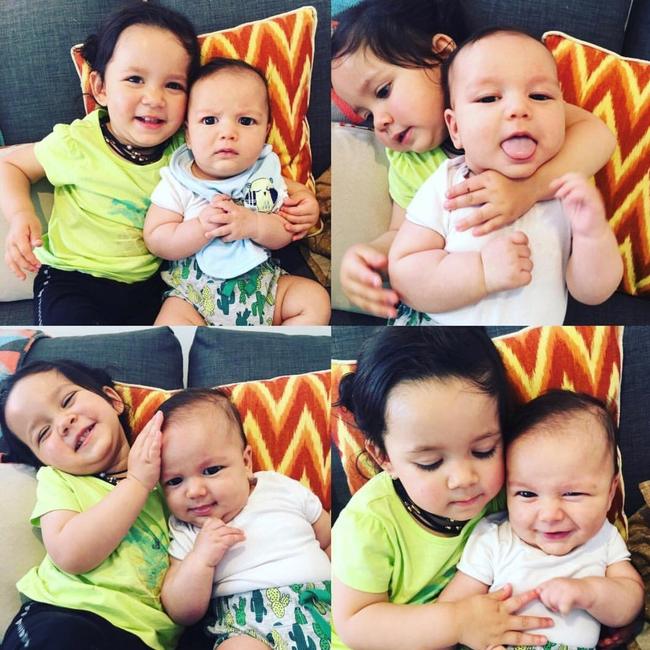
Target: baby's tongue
(519, 147)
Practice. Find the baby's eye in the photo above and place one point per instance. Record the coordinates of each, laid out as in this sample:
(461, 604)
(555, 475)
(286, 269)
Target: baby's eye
(247, 121)
(485, 454)
(134, 78)
(526, 494)
(488, 99)
(383, 92)
(431, 466)
(574, 494)
(212, 470)
(176, 85)
(540, 97)
(209, 120)
(177, 480)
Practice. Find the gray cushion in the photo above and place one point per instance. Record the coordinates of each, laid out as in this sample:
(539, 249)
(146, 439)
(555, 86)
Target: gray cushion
(40, 87)
(637, 41)
(220, 356)
(618, 309)
(151, 356)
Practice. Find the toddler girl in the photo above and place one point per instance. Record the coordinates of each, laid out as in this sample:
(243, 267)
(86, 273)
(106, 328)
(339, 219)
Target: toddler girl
(386, 60)
(256, 543)
(215, 212)
(431, 404)
(99, 509)
(93, 265)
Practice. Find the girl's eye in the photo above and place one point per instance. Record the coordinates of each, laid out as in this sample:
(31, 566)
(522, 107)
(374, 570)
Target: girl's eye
(540, 97)
(431, 466)
(525, 494)
(246, 121)
(68, 399)
(40, 436)
(177, 480)
(489, 99)
(176, 85)
(134, 78)
(212, 470)
(485, 454)
(209, 120)
(383, 92)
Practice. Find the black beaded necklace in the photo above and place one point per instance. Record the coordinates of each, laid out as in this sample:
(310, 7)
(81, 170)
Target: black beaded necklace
(136, 155)
(110, 477)
(436, 523)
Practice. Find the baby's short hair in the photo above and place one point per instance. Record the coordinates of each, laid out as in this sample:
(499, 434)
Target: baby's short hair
(557, 406)
(182, 404)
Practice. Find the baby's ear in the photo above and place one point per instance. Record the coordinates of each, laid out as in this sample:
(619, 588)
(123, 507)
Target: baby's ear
(612, 490)
(187, 136)
(452, 127)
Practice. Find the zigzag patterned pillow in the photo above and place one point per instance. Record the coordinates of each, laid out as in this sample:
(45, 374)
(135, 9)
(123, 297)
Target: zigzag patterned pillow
(286, 421)
(585, 359)
(617, 90)
(282, 47)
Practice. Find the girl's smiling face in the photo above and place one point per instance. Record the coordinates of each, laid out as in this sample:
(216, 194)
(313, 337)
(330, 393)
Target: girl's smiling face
(406, 104)
(68, 427)
(145, 86)
(443, 442)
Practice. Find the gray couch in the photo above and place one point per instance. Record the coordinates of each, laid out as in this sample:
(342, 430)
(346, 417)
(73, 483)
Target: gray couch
(151, 357)
(361, 204)
(40, 88)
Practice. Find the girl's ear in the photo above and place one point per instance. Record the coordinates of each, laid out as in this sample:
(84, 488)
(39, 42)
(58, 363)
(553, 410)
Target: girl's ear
(97, 88)
(380, 458)
(443, 45)
(452, 127)
(116, 400)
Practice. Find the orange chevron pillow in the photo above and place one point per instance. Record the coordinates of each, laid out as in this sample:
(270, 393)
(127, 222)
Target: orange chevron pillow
(282, 47)
(286, 421)
(585, 359)
(617, 90)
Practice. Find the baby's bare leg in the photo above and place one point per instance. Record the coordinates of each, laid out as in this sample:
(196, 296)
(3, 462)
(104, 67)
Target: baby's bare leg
(176, 311)
(300, 301)
(243, 642)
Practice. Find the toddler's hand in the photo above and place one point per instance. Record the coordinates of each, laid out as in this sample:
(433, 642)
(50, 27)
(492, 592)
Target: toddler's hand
(506, 262)
(301, 211)
(582, 204)
(503, 200)
(230, 221)
(144, 457)
(489, 620)
(214, 539)
(562, 595)
(23, 236)
(361, 280)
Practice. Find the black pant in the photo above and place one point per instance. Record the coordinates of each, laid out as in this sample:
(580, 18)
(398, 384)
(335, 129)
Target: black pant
(75, 298)
(40, 626)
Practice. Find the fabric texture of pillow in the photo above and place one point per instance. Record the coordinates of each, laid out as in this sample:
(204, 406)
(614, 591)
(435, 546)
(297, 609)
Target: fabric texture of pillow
(14, 345)
(286, 421)
(584, 359)
(617, 90)
(282, 47)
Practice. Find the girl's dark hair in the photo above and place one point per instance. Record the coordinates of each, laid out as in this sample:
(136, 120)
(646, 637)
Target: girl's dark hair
(92, 379)
(556, 407)
(182, 404)
(223, 63)
(407, 354)
(399, 32)
(475, 38)
(98, 48)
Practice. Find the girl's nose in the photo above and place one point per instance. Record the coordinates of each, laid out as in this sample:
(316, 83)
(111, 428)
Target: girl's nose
(64, 423)
(382, 119)
(153, 96)
(460, 475)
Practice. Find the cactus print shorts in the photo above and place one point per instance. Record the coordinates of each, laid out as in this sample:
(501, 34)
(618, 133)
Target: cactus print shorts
(248, 299)
(296, 617)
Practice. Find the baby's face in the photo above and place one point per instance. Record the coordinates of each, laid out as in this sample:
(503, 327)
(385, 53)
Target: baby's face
(227, 123)
(206, 470)
(507, 108)
(560, 484)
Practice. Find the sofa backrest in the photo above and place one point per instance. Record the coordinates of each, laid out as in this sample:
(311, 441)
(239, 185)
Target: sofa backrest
(40, 87)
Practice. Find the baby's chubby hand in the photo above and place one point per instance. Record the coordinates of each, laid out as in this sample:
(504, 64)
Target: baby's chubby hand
(23, 236)
(562, 595)
(226, 219)
(582, 204)
(213, 540)
(144, 457)
(506, 262)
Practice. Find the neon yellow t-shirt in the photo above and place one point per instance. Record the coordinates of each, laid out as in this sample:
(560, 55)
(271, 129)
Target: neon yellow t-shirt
(408, 170)
(377, 547)
(125, 588)
(100, 202)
